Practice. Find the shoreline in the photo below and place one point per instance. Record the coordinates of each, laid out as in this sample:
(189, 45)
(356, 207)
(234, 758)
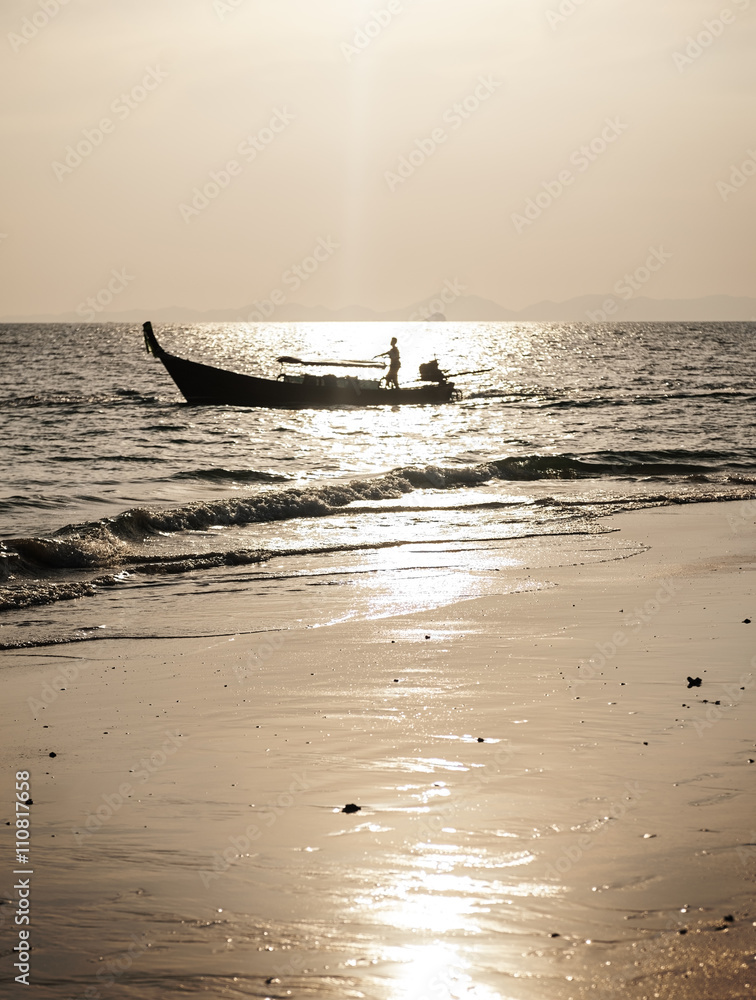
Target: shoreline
(541, 791)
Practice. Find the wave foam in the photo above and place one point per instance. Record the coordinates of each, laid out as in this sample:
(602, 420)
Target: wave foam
(120, 541)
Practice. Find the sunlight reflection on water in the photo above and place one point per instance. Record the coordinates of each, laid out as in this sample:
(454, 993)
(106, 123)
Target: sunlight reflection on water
(450, 896)
(436, 971)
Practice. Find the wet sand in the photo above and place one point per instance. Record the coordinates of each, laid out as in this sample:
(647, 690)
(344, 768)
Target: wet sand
(551, 806)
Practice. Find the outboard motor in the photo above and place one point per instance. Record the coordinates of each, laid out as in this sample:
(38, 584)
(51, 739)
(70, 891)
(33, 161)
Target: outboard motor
(430, 372)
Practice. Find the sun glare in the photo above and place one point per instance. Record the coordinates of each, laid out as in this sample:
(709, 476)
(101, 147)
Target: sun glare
(436, 971)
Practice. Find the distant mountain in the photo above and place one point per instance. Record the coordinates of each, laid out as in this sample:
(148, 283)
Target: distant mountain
(472, 308)
(610, 308)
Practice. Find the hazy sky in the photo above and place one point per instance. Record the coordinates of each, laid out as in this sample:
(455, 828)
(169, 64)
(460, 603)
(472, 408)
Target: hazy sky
(206, 153)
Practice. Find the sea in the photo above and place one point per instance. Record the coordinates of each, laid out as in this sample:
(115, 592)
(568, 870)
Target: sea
(124, 511)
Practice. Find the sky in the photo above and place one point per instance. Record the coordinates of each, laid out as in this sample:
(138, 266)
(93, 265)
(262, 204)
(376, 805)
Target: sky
(213, 153)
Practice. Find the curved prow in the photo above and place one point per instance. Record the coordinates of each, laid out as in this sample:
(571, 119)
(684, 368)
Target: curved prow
(150, 340)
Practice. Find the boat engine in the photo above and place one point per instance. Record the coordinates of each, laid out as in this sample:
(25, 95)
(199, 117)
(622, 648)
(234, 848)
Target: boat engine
(430, 372)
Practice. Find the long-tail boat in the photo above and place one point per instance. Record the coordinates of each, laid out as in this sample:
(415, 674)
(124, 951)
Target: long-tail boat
(204, 385)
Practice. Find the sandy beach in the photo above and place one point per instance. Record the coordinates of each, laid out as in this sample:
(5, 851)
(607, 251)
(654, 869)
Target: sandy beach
(555, 785)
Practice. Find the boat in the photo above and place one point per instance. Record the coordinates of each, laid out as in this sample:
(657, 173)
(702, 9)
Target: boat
(204, 385)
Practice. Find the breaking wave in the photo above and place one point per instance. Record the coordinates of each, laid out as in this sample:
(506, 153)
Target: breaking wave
(30, 567)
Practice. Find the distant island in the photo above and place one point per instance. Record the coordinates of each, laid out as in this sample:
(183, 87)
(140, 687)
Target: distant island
(608, 308)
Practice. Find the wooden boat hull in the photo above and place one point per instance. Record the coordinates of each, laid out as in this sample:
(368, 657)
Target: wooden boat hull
(203, 385)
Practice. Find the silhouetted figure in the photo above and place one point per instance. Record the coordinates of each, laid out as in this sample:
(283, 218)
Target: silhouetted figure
(391, 377)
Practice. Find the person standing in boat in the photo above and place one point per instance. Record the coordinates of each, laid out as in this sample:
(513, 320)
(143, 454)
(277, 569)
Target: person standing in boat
(392, 376)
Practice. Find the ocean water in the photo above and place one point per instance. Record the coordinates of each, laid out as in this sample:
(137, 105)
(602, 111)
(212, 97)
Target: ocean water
(122, 509)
